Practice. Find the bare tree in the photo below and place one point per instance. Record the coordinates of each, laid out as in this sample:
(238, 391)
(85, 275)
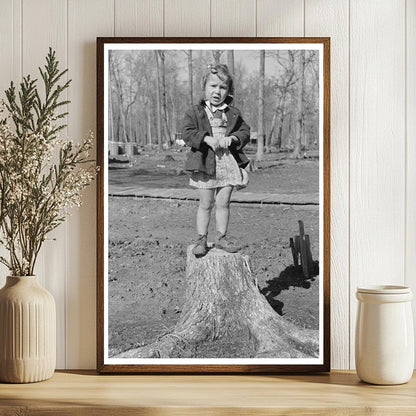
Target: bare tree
(158, 115)
(133, 89)
(300, 69)
(166, 129)
(230, 61)
(173, 92)
(283, 84)
(115, 78)
(149, 126)
(110, 112)
(217, 56)
(260, 130)
(190, 79)
(147, 109)
(311, 99)
(126, 77)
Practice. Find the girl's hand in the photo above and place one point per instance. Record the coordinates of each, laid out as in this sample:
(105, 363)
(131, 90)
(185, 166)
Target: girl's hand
(211, 142)
(225, 142)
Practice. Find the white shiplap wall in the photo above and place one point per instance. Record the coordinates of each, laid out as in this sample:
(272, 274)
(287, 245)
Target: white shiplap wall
(331, 18)
(373, 129)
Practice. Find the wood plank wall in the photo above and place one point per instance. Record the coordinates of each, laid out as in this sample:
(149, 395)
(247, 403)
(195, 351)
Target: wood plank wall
(373, 132)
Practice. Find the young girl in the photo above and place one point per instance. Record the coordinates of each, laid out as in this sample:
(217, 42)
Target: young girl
(216, 133)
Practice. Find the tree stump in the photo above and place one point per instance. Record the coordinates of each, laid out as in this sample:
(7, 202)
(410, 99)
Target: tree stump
(222, 295)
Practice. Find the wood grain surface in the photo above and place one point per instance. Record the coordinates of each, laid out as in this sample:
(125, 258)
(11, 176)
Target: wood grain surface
(138, 17)
(280, 18)
(185, 18)
(373, 150)
(85, 393)
(50, 15)
(233, 18)
(11, 66)
(377, 148)
(410, 275)
(81, 259)
(330, 18)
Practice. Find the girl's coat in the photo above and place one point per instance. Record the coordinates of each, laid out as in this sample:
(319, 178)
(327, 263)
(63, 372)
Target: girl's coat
(196, 126)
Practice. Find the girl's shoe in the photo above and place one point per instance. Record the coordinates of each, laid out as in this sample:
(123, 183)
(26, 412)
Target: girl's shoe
(201, 246)
(222, 242)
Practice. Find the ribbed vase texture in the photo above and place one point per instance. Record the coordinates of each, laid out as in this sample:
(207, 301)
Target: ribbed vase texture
(27, 331)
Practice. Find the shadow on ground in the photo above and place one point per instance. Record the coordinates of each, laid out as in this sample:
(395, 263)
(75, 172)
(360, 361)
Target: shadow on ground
(292, 276)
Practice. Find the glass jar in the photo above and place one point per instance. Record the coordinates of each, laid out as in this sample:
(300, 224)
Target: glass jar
(384, 343)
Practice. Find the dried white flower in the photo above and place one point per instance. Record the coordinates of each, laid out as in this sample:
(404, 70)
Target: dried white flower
(42, 175)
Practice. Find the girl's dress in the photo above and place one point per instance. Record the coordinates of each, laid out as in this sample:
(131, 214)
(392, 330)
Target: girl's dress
(227, 171)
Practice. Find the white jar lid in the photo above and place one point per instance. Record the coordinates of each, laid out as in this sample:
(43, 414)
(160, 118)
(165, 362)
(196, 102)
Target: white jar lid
(384, 289)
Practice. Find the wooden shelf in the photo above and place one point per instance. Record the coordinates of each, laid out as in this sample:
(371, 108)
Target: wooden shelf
(86, 393)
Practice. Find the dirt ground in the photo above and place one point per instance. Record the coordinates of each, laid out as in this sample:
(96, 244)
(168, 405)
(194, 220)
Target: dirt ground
(148, 240)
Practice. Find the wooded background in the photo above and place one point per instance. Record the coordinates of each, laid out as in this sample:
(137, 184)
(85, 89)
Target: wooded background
(277, 92)
(373, 130)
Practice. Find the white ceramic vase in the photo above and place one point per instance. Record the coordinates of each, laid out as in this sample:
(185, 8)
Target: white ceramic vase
(27, 331)
(384, 343)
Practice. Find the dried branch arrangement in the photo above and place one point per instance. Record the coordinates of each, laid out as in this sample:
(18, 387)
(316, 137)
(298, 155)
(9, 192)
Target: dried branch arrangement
(41, 174)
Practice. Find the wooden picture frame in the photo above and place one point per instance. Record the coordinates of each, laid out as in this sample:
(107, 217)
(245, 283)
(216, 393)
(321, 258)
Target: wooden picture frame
(129, 273)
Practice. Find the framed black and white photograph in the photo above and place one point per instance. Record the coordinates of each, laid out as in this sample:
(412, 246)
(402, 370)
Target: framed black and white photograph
(213, 205)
